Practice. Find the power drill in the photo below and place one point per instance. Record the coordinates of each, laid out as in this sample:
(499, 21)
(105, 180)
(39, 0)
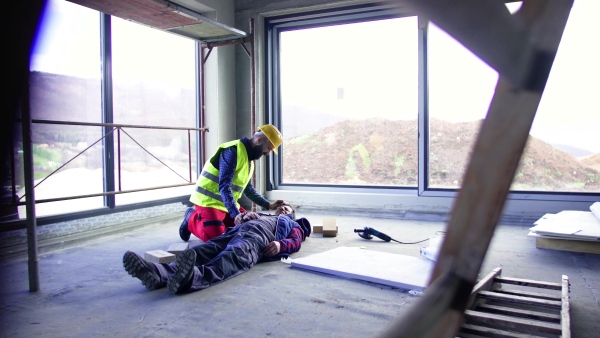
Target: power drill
(368, 233)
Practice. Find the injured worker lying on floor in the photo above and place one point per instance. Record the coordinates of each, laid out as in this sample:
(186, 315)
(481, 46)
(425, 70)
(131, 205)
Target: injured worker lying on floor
(257, 237)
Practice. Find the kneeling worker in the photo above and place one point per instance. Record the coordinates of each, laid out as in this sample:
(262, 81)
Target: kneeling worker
(224, 178)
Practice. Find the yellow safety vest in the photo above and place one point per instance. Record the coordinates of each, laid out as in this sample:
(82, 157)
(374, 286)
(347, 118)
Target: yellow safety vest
(207, 187)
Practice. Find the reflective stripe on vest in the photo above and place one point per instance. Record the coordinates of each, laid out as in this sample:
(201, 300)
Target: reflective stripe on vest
(208, 193)
(207, 187)
(216, 180)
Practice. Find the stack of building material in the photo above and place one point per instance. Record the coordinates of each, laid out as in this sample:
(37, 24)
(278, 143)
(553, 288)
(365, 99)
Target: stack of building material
(569, 230)
(329, 228)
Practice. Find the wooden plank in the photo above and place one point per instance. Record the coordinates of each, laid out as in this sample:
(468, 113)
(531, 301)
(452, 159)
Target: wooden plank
(529, 294)
(492, 166)
(529, 282)
(565, 311)
(149, 12)
(514, 322)
(509, 311)
(520, 300)
(567, 245)
(483, 285)
(490, 332)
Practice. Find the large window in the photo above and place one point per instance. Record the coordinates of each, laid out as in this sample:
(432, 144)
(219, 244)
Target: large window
(349, 103)
(153, 85)
(65, 82)
(461, 87)
(346, 95)
(562, 152)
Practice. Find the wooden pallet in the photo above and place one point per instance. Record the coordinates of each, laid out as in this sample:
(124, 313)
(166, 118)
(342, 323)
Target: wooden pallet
(496, 311)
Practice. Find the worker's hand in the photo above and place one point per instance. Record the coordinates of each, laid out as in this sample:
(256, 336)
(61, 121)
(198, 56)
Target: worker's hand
(239, 218)
(272, 249)
(248, 216)
(245, 217)
(277, 204)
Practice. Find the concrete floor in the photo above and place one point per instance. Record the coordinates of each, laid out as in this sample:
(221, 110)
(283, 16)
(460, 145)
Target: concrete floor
(86, 292)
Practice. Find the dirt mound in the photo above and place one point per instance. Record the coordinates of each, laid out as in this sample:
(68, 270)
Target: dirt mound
(592, 161)
(384, 152)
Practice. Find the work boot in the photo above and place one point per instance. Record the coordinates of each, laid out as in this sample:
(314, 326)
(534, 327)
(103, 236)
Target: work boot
(140, 268)
(181, 281)
(184, 233)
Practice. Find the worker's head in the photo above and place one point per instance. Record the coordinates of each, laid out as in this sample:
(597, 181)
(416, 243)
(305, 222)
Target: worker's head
(286, 209)
(266, 139)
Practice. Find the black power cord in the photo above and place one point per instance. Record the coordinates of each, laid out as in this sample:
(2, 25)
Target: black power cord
(368, 233)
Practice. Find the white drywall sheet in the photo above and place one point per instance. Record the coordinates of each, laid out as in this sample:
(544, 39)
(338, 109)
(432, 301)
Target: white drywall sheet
(595, 208)
(401, 271)
(570, 224)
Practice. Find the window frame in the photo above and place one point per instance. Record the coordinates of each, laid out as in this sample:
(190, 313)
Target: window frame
(322, 18)
(104, 32)
(355, 14)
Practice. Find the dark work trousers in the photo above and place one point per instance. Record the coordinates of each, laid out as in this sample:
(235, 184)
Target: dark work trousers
(228, 255)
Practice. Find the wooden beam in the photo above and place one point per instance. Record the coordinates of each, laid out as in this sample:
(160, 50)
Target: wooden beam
(497, 150)
(565, 310)
(518, 324)
(529, 282)
(491, 332)
(520, 299)
(529, 294)
(488, 29)
(485, 284)
(510, 311)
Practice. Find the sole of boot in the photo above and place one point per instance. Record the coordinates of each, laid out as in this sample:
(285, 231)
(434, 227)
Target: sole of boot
(184, 269)
(136, 268)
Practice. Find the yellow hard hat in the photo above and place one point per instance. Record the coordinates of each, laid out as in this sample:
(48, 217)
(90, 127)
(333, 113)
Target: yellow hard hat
(273, 135)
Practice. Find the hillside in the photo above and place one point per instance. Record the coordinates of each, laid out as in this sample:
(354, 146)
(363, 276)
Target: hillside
(592, 161)
(384, 152)
(67, 98)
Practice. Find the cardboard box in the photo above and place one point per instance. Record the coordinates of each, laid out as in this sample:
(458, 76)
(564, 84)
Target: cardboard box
(330, 228)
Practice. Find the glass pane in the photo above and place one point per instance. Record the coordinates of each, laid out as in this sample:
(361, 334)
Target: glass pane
(349, 113)
(65, 86)
(562, 152)
(461, 87)
(154, 85)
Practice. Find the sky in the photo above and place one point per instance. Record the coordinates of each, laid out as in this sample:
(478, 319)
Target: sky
(139, 52)
(317, 62)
